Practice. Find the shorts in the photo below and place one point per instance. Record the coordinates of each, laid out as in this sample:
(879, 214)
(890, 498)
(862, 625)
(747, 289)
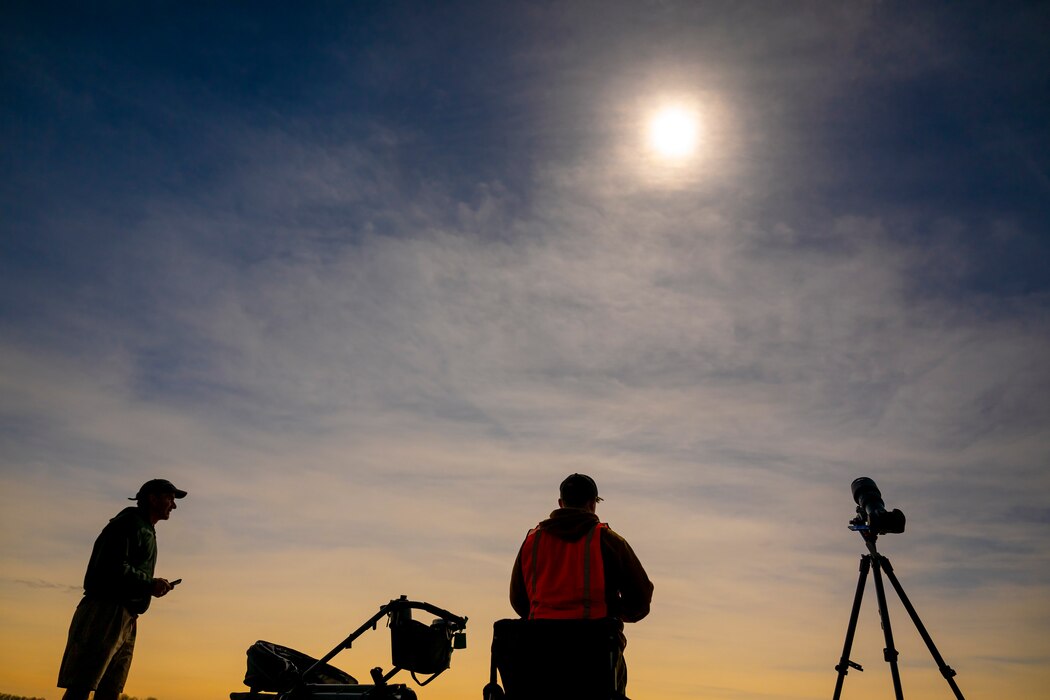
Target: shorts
(98, 652)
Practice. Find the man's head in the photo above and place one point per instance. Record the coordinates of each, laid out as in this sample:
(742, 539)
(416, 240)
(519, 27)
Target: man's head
(157, 498)
(579, 491)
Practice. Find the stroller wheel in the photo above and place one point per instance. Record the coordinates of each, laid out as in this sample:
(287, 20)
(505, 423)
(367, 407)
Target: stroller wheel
(492, 691)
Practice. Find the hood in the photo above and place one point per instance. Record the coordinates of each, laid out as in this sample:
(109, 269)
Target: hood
(569, 524)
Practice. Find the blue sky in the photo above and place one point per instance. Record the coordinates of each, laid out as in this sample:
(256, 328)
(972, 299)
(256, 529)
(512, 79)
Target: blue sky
(368, 279)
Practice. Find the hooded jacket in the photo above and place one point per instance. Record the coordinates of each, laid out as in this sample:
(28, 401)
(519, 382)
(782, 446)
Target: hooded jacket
(628, 590)
(122, 562)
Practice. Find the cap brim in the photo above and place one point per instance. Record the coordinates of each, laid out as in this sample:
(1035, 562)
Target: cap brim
(177, 493)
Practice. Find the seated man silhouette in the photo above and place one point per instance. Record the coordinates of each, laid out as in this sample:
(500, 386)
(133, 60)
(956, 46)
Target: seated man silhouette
(572, 566)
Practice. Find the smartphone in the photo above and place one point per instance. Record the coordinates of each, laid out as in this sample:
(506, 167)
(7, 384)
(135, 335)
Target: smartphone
(175, 582)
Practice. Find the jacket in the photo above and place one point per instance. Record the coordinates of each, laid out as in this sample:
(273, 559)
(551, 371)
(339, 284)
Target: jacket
(122, 562)
(628, 590)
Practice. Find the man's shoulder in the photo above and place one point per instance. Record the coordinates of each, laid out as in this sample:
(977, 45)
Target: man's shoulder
(611, 538)
(129, 520)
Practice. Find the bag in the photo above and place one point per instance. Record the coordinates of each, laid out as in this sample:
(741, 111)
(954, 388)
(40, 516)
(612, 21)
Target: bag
(420, 648)
(274, 668)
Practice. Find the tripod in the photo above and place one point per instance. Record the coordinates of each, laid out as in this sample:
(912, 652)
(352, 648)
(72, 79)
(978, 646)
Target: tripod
(879, 563)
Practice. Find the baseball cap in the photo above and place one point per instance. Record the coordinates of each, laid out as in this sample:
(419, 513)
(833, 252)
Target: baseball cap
(579, 488)
(158, 486)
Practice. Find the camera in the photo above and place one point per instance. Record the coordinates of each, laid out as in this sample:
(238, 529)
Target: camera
(871, 510)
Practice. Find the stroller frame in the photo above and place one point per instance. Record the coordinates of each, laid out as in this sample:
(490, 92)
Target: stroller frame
(407, 653)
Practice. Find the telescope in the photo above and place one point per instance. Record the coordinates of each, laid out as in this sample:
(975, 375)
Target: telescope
(873, 520)
(872, 515)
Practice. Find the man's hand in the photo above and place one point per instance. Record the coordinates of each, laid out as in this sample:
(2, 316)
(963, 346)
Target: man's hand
(161, 586)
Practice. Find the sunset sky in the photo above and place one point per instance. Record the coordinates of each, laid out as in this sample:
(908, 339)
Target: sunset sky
(369, 278)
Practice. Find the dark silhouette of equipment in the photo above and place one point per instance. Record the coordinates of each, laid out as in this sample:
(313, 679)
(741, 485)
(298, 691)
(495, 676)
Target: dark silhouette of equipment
(871, 521)
(871, 509)
(279, 673)
(555, 660)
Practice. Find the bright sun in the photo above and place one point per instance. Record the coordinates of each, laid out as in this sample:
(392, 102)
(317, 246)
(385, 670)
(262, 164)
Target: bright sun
(673, 132)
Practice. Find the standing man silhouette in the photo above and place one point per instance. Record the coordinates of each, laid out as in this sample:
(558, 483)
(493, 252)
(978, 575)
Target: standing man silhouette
(572, 566)
(118, 586)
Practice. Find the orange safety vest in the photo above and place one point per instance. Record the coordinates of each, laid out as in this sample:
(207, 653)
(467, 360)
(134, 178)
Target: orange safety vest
(564, 580)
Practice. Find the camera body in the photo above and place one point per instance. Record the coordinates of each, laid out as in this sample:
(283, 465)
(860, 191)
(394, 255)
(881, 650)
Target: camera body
(871, 510)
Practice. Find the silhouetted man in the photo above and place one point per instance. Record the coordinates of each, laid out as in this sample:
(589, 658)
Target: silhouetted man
(571, 566)
(118, 586)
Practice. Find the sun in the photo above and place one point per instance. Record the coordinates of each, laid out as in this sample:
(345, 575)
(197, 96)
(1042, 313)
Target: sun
(674, 132)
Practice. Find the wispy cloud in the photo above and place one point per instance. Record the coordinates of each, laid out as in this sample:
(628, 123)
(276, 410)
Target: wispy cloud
(370, 331)
(38, 583)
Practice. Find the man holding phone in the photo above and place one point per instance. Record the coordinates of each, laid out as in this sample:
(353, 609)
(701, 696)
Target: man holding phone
(118, 587)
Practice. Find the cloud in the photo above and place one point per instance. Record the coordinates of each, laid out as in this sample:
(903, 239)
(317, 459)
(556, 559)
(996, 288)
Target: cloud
(38, 583)
(370, 359)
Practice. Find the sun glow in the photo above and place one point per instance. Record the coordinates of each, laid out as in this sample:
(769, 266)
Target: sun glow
(674, 132)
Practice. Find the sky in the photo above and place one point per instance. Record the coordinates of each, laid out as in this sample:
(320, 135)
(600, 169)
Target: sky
(369, 279)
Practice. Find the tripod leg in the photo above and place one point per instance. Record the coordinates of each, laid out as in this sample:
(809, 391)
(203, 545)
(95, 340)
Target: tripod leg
(844, 662)
(947, 671)
(890, 651)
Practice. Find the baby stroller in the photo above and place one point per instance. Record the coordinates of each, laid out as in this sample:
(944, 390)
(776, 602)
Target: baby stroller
(279, 673)
(555, 660)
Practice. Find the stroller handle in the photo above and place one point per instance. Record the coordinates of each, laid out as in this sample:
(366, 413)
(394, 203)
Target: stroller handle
(455, 623)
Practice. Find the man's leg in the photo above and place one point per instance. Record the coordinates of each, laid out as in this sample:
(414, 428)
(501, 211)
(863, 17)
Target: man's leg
(94, 631)
(621, 676)
(112, 683)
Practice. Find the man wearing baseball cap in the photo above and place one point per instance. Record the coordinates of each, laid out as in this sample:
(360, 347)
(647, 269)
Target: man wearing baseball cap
(572, 566)
(118, 587)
